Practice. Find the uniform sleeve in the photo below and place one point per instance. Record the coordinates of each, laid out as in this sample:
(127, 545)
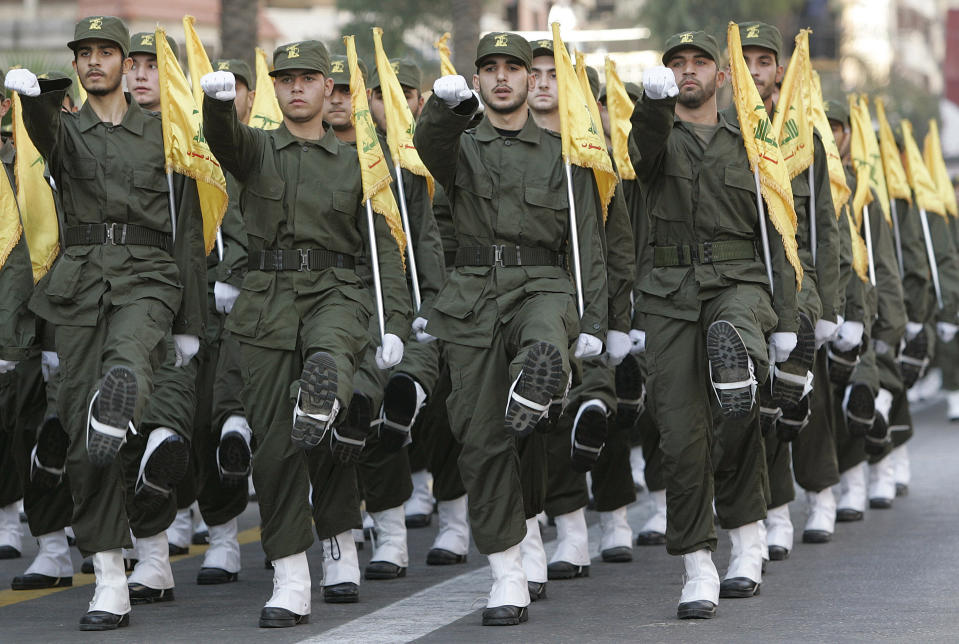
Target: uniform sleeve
(916, 278)
(232, 267)
(236, 146)
(644, 257)
(18, 326)
(652, 124)
(189, 255)
(42, 114)
(845, 263)
(944, 248)
(595, 318)
(891, 322)
(427, 244)
(827, 237)
(437, 137)
(621, 262)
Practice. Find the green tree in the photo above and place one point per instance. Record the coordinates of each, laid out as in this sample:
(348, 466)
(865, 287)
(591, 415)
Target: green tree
(397, 18)
(667, 17)
(239, 20)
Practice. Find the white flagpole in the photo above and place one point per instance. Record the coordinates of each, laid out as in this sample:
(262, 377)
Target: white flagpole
(410, 259)
(812, 212)
(930, 253)
(762, 231)
(896, 235)
(574, 240)
(868, 230)
(375, 263)
(169, 183)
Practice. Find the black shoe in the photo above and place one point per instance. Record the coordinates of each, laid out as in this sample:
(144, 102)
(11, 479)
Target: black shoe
(816, 536)
(345, 593)
(349, 437)
(587, 438)
(400, 408)
(48, 461)
(165, 468)
(178, 550)
(211, 576)
(317, 397)
(565, 570)
(630, 393)
(140, 594)
(700, 609)
(769, 417)
(793, 420)
(539, 382)
(913, 360)
(848, 514)
(880, 503)
(729, 363)
(201, 538)
(620, 554)
(383, 570)
(418, 520)
(33, 581)
(233, 458)
(101, 620)
(785, 391)
(537, 590)
(737, 588)
(650, 538)
(860, 410)
(115, 404)
(778, 553)
(9, 552)
(272, 617)
(441, 557)
(902, 489)
(841, 364)
(505, 616)
(267, 564)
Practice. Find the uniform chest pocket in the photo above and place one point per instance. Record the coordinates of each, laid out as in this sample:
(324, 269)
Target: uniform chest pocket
(345, 202)
(476, 183)
(262, 204)
(152, 189)
(79, 191)
(741, 218)
(679, 177)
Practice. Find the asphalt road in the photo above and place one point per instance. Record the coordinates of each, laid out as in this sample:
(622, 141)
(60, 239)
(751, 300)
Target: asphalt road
(891, 577)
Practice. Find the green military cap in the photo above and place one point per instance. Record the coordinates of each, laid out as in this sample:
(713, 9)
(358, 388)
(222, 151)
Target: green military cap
(542, 47)
(837, 111)
(145, 43)
(761, 34)
(102, 28)
(407, 72)
(691, 39)
(632, 89)
(239, 68)
(305, 54)
(340, 69)
(504, 43)
(592, 75)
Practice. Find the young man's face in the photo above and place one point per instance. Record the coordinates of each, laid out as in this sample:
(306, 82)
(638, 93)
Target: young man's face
(4, 105)
(841, 134)
(764, 69)
(302, 93)
(243, 101)
(143, 81)
(696, 75)
(544, 96)
(503, 82)
(100, 66)
(378, 109)
(339, 108)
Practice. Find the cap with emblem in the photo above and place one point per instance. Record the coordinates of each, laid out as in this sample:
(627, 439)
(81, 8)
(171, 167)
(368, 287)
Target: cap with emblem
(761, 34)
(145, 43)
(504, 43)
(837, 111)
(542, 47)
(238, 68)
(306, 54)
(407, 73)
(691, 40)
(101, 28)
(632, 89)
(340, 69)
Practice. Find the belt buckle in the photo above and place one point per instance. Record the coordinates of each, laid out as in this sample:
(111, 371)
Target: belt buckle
(304, 260)
(707, 252)
(498, 255)
(111, 236)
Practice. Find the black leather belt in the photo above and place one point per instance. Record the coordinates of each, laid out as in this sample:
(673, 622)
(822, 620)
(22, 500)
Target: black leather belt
(117, 235)
(503, 255)
(299, 259)
(705, 253)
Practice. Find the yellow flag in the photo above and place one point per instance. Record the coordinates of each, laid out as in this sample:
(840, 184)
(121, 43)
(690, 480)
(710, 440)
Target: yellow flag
(896, 183)
(792, 122)
(184, 146)
(376, 176)
(866, 160)
(837, 175)
(443, 48)
(763, 151)
(81, 93)
(400, 124)
(265, 113)
(620, 108)
(860, 255)
(197, 60)
(9, 218)
(583, 141)
(932, 152)
(922, 183)
(37, 210)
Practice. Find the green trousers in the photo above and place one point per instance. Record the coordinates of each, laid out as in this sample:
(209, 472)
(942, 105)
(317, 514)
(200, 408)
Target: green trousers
(433, 444)
(814, 450)
(681, 398)
(612, 476)
(652, 451)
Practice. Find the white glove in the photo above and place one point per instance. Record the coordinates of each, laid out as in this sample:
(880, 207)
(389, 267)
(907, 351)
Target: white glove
(186, 347)
(618, 346)
(419, 328)
(912, 330)
(23, 82)
(7, 365)
(880, 347)
(946, 331)
(781, 344)
(588, 346)
(224, 295)
(452, 90)
(660, 82)
(638, 338)
(219, 85)
(49, 364)
(825, 331)
(390, 352)
(849, 336)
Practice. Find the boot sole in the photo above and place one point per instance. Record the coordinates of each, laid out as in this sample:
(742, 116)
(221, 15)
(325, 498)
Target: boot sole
(382, 575)
(861, 404)
(165, 469)
(124, 621)
(114, 407)
(735, 593)
(575, 572)
(356, 427)
(800, 361)
(318, 393)
(590, 431)
(916, 349)
(696, 613)
(399, 407)
(164, 596)
(285, 622)
(729, 362)
(52, 445)
(629, 386)
(235, 459)
(541, 379)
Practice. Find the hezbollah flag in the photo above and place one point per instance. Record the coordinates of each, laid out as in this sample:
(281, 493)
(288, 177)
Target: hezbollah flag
(81, 93)
(792, 122)
(923, 186)
(196, 58)
(400, 124)
(185, 147)
(860, 254)
(37, 210)
(620, 108)
(837, 175)
(265, 113)
(932, 152)
(896, 183)
(765, 157)
(376, 176)
(866, 160)
(9, 219)
(583, 142)
(443, 48)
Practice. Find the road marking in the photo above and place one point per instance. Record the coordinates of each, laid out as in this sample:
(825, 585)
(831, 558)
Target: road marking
(9, 597)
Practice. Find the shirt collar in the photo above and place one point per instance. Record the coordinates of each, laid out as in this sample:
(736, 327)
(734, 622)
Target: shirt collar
(531, 133)
(282, 138)
(133, 120)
